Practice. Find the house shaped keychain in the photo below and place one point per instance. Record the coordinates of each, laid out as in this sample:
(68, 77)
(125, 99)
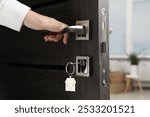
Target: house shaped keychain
(70, 83)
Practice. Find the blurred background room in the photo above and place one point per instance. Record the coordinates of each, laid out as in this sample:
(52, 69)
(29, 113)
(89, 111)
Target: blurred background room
(129, 49)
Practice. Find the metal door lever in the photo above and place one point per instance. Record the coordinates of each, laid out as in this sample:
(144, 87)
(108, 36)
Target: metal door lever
(78, 29)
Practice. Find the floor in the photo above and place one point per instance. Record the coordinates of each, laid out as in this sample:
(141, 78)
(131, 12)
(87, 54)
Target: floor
(134, 95)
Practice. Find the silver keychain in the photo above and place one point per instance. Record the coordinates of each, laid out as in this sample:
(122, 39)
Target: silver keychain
(70, 83)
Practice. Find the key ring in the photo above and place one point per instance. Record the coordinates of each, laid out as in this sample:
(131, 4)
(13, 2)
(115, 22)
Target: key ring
(73, 70)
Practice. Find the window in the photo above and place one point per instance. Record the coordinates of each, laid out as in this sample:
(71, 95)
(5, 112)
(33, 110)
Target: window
(130, 22)
(117, 22)
(141, 26)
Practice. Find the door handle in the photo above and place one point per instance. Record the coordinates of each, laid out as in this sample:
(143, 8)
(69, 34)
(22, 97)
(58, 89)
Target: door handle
(77, 29)
(81, 30)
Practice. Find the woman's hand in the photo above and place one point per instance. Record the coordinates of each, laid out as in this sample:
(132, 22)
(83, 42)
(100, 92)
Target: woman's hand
(37, 21)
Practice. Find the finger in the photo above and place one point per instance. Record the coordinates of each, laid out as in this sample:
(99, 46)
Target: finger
(65, 38)
(56, 26)
(54, 38)
(46, 38)
(61, 26)
(59, 36)
(51, 38)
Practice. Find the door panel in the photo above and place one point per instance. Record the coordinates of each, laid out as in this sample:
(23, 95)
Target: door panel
(40, 3)
(33, 69)
(92, 87)
(29, 47)
(29, 83)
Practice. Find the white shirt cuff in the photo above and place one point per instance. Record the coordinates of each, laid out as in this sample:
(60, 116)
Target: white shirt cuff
(12, 14)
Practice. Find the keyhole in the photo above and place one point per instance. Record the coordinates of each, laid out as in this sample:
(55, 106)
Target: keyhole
(82, 66)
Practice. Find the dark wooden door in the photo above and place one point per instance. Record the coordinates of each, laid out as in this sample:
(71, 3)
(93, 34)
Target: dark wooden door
(33, 69)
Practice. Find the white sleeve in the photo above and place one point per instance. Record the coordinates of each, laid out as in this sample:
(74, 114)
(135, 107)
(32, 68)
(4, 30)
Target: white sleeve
(12, 14)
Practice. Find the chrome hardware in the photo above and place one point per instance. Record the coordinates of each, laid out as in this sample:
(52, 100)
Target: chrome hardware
(83, 66)
(86, 25)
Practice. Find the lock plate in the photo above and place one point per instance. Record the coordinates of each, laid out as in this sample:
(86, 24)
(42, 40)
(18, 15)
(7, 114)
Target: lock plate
(85, 35)
(83, 66)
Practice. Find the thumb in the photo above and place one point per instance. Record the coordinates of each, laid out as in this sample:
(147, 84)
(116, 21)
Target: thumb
(65, 38)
